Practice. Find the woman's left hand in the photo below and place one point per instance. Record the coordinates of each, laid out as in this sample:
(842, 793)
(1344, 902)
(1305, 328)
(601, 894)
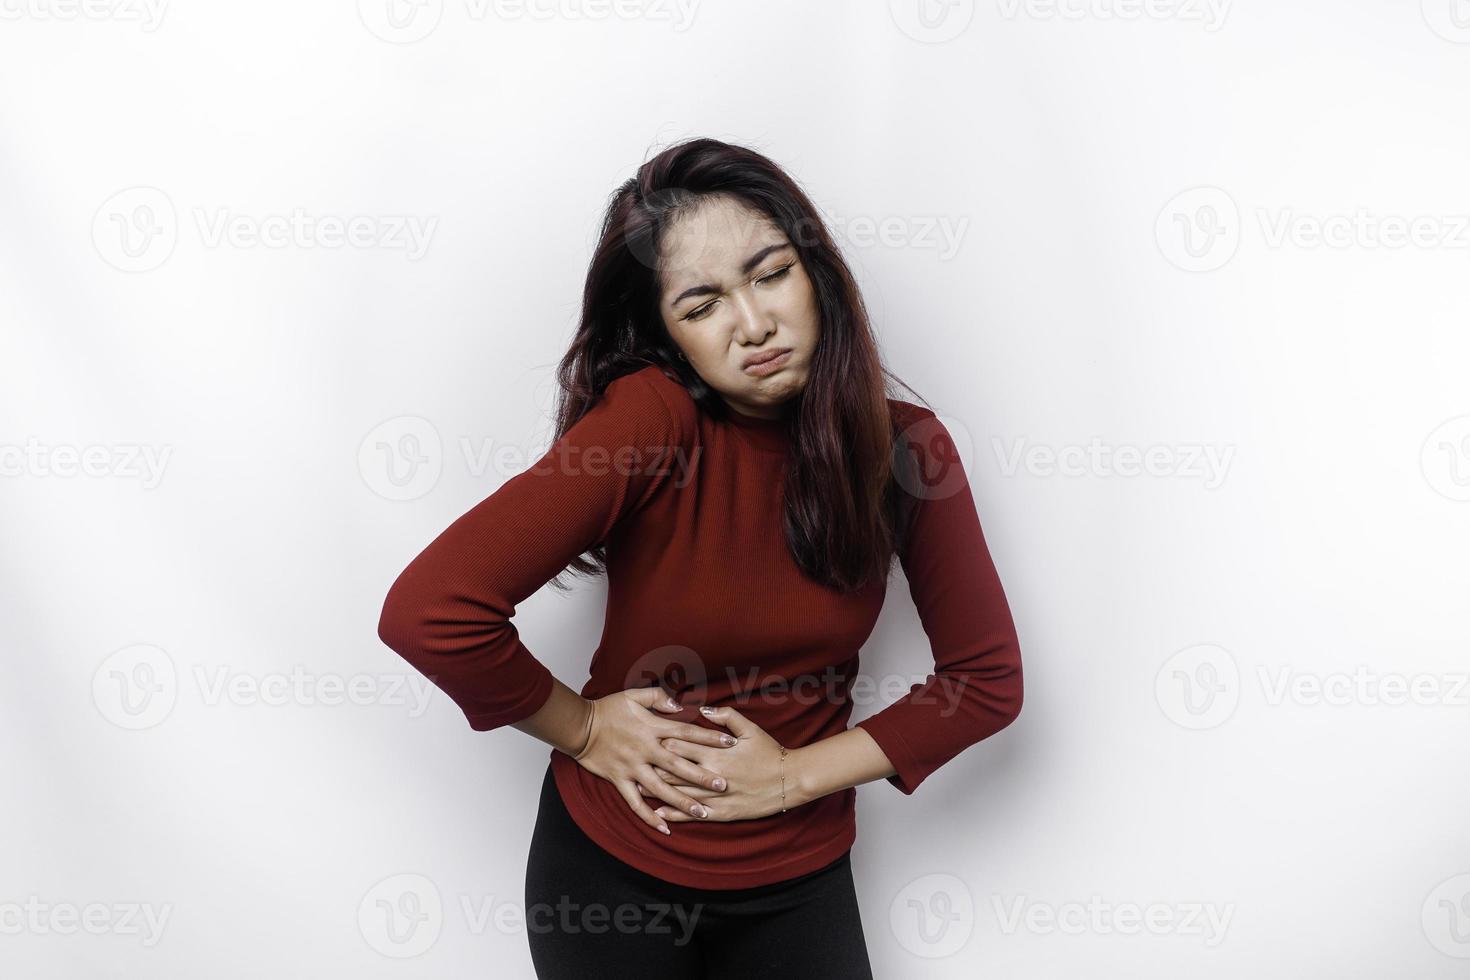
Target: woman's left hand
(751, 767)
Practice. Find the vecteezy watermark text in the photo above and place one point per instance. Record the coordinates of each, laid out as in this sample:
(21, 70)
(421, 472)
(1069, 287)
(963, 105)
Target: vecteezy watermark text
(1207, 463)
(137, 229)
(124, 461)
(148, 14)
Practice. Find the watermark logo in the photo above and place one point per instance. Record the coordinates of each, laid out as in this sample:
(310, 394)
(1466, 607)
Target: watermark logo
(136, 229)
(1445, 916)
(136, 687)
(1198, 230)
(932, 21)
(933, 916)
(402, 458)
(942, 453)
(1198, 687)
(400, 21)
(1445, 459)
(401, 916)
(1450, 19)
(695, 231)
(672, 667)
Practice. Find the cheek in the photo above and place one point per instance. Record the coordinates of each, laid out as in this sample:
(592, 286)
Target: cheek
(803, 314)
(801, 296)
(701, 348)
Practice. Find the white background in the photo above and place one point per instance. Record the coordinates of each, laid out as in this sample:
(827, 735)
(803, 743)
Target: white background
(1171, 226)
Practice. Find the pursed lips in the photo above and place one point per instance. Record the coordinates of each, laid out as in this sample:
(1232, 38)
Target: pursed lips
(764, 356)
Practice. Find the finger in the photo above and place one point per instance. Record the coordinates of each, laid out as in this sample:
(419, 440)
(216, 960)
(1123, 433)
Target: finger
(740, 725)
(663, 791)
(671, 815)
(698, 792)
(691, 773)
(687, 750)
(655, 698)
(697, 734)
(668, 777)
(644, 811)
(705, 796)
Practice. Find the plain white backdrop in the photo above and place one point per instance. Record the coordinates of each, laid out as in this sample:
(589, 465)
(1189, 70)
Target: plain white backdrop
(282, 286)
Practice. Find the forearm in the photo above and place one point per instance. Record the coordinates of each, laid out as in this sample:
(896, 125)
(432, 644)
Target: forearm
(850, 758)
(562, 722)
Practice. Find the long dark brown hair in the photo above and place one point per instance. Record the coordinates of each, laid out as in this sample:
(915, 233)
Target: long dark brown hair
(845, 511)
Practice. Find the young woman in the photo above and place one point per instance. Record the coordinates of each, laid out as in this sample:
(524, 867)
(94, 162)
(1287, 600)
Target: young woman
(728, 453)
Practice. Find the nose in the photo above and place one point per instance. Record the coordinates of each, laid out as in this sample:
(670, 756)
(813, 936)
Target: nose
(753, 324)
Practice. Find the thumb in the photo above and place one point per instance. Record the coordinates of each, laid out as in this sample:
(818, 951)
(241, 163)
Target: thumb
(738, 724)
(654, 697)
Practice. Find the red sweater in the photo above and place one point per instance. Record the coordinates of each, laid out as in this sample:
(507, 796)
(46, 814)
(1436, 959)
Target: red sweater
(702, 591)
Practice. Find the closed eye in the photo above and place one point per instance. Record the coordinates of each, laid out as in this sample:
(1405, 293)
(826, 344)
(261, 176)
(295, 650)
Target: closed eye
(700, 312)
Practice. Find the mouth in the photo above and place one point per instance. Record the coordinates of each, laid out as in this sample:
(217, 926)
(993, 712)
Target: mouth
(767, 361)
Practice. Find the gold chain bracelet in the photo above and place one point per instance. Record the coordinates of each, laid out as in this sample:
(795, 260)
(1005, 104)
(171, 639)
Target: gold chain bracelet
(783, 779)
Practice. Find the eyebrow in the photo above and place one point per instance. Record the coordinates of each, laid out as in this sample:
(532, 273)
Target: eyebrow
(746, 269)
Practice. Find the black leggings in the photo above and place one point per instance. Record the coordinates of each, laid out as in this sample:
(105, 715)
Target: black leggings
(591, 916)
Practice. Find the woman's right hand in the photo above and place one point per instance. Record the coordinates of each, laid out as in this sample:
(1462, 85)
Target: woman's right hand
(624, 745)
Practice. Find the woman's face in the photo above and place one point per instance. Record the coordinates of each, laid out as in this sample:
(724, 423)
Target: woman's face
(734, 289)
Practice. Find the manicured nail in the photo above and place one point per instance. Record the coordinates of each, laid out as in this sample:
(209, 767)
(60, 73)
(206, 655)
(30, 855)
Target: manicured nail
(664, 829)
(719, 784)
(698, 811)
(673, 703)
(727, 739)
(705, 709)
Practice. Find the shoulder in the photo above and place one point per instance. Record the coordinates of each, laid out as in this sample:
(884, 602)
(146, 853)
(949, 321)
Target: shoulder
(936, 452)
(657, 398)
(905, 412)
(913, 423)
(936, 446)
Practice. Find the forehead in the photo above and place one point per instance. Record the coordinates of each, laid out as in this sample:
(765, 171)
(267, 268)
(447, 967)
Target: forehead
(710, 242)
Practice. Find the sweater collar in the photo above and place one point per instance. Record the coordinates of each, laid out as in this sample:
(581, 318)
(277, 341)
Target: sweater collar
(767, 435)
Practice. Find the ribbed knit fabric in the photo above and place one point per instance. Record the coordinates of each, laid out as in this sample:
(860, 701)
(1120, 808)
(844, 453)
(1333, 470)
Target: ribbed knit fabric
(704, 597)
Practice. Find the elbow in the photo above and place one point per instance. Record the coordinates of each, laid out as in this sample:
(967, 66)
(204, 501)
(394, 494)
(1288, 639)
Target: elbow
(399, 623)
(1011, 687)
(1013, 704)
(1018, 682)
(390, 628)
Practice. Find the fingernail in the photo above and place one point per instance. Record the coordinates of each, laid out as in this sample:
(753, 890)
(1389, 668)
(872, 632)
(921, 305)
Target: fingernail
(719, 784)
(673, 703)
(664, 829)
(705, 709)
(698, 811)
(727, 739)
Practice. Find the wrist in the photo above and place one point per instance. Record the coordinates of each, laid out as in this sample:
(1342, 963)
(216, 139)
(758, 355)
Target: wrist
(584, 729)
(800, 788)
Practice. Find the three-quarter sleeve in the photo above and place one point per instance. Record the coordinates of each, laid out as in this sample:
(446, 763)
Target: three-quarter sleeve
(975, 689)
(449, 612)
